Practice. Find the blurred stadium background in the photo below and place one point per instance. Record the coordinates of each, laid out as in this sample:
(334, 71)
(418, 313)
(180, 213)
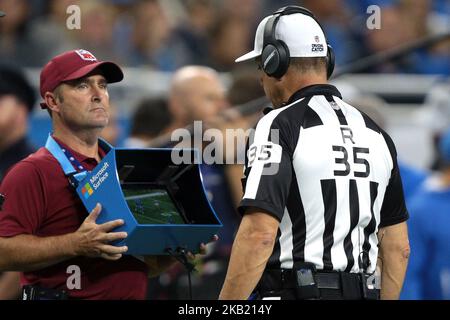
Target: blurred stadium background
(151, 39)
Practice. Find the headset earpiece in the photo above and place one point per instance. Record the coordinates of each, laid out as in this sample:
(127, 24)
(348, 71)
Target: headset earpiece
(275, 53)
(284, 59)
(275, 59)
(330, 61)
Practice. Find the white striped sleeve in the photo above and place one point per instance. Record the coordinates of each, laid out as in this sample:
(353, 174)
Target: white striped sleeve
(268, 168)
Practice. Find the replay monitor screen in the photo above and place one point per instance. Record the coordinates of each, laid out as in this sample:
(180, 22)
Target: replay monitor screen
(152, 206)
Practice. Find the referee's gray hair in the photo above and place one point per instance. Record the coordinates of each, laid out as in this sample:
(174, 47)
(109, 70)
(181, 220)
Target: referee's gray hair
(309, 64)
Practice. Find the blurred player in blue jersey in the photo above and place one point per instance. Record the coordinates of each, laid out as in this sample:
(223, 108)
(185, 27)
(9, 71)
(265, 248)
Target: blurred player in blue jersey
(428, 274)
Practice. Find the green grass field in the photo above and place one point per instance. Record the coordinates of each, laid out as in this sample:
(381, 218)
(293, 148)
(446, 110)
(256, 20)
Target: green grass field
(152, 207)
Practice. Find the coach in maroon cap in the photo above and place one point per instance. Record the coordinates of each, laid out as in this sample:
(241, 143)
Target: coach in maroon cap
(45, 232)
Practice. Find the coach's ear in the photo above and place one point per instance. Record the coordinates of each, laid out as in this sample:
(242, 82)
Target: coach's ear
(50, 101)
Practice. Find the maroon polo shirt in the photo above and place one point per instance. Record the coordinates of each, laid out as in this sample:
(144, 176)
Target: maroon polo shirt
(40, 201)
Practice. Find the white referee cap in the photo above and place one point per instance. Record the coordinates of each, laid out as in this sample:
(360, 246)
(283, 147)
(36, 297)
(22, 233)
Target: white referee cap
(301, 33)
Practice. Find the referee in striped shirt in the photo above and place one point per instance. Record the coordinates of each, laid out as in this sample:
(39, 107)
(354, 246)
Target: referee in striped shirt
(323, 207)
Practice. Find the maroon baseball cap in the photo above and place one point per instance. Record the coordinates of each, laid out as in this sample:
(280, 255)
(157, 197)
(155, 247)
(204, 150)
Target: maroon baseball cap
(73, 65)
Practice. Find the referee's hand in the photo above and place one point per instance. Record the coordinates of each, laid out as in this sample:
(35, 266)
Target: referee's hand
(203, 248)
(92, 239)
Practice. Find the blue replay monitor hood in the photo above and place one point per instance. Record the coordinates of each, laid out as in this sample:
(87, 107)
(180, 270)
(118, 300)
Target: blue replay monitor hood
(164, 205)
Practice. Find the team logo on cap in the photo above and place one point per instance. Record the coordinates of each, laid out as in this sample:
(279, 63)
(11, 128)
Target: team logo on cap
(86, 55)
(317, 47)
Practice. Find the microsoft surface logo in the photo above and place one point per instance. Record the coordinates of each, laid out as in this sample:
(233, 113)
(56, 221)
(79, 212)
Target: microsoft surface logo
(87, 190)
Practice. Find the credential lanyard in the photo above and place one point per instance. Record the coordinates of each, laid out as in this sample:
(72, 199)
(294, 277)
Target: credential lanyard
(72, 168)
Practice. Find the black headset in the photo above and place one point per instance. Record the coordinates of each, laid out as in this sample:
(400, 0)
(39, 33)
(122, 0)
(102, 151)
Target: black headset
(275, 56)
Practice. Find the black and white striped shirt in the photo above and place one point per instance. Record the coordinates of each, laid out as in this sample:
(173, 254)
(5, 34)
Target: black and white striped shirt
(329, 174)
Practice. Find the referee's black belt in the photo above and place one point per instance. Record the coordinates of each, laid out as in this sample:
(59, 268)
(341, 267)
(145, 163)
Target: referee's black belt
(322, 285)
(287, 278)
